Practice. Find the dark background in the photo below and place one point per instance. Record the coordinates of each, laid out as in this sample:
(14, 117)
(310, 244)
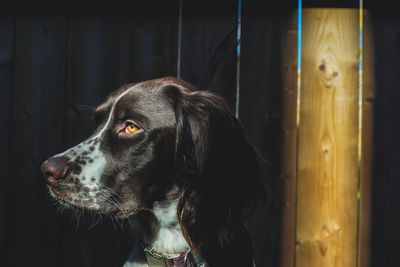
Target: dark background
(57, 62)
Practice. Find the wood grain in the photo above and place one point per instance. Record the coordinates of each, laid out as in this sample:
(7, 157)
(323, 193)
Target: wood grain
(327, 182)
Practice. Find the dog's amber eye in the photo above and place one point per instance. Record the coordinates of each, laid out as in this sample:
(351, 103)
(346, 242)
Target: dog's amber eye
(131, 128)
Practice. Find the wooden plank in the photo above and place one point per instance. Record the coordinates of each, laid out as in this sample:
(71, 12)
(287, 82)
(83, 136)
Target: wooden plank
(208, 54)
(289, 136)
(260, 111)
(368, 101)
(7, 30)
(385, 233)
(36, 129)
(148, 44)
(327, 183)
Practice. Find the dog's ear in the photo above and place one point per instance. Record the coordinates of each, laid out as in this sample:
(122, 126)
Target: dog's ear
(218, 170)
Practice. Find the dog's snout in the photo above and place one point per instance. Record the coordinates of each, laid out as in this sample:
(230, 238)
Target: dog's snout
(54, 170)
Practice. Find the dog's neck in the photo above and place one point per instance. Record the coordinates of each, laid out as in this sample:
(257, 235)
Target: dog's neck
(161, 230)
(169, 237)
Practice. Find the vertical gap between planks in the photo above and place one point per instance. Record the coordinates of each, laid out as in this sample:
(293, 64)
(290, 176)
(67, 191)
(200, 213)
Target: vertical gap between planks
(178, 61)
(359, 152)
(299, 27)
(238, 41)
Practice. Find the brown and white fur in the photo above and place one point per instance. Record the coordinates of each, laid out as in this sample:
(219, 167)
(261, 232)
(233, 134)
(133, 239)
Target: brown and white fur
(176, 161)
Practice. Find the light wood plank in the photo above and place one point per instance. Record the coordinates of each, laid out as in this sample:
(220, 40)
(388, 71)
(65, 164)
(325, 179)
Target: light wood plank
(328, 140)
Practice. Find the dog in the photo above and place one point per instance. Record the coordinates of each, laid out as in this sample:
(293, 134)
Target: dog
(177, 161)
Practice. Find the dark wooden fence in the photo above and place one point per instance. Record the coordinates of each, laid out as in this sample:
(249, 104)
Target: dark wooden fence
(53, 67)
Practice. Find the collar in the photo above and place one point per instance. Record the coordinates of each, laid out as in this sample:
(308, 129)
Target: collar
(159, 254)
(183, 259)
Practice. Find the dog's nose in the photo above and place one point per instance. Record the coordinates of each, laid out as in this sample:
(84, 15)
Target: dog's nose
(54, 170)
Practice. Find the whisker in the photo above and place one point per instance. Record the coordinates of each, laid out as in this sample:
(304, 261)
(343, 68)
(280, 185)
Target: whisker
(112, 199)
(85, 107)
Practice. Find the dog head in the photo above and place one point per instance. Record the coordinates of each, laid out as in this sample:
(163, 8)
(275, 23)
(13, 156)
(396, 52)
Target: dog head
(157, 140)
